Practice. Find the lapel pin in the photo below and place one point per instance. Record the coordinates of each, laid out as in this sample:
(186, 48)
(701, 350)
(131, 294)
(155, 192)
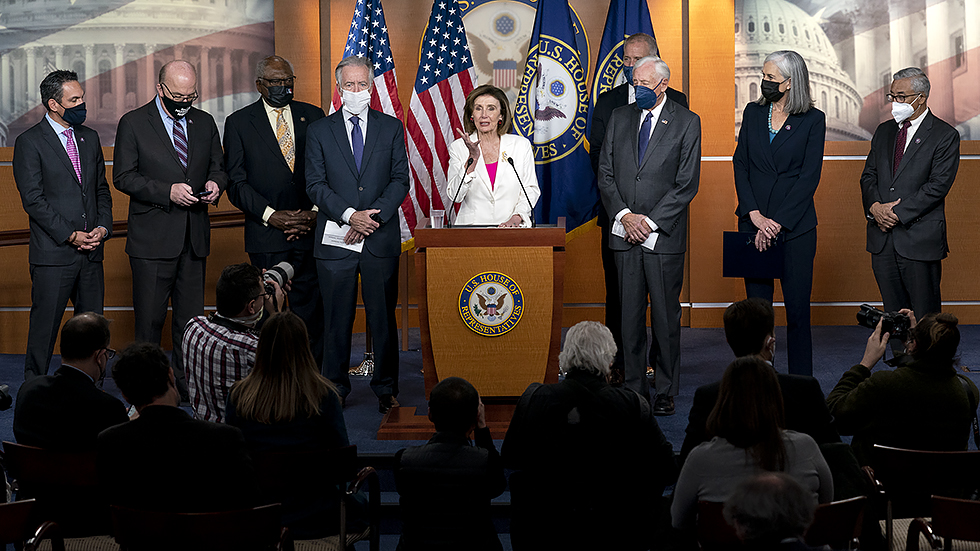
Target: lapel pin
(917, 140)
(81, 139)
(302, 119)
(788, 127)
(664, 121)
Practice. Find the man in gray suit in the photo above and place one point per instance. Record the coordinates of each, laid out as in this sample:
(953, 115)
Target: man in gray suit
(909, 171)
(357, 174)
(60, 174)
(648, 174)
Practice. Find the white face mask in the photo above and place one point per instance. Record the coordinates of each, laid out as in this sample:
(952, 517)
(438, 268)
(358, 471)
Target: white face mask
(902, 111)
(356, 102)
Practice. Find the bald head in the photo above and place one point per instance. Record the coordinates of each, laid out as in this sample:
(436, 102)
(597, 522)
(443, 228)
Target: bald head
(177, 87)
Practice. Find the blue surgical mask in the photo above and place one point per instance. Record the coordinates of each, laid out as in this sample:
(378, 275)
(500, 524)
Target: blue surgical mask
(628, 73)
(646, 97)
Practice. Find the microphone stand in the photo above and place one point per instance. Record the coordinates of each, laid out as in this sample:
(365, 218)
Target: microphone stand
(511, 161)
(452, 207)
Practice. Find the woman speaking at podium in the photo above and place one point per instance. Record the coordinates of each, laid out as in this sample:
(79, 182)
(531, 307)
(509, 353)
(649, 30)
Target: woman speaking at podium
(491, 172)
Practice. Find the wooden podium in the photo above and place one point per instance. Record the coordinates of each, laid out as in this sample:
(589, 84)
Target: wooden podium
(490, 311)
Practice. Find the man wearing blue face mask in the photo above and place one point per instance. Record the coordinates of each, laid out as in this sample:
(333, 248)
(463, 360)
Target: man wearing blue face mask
(636, 47)
(60, 174)
(910, 169)
(648, 174)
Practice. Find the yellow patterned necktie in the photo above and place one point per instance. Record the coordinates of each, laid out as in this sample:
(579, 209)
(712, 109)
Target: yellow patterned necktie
(285, 141)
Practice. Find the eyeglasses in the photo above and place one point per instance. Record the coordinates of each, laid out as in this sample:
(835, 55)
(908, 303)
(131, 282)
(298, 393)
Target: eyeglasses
(110, 353)
(901, 98)
(180, 97)
(263, 295)
(278, 81)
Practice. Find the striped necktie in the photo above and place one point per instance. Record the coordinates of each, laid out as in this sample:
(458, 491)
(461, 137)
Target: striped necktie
(285, 140)
(180, 142)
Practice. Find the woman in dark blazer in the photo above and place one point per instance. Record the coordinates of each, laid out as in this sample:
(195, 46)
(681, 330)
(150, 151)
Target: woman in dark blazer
(777, 169)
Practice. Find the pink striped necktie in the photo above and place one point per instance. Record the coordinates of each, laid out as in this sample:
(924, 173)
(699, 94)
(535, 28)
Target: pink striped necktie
(73, 155)
(180, 142)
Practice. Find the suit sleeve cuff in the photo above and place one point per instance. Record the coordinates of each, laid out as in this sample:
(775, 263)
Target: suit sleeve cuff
(347, 214)
(269, 211)
(621, 214)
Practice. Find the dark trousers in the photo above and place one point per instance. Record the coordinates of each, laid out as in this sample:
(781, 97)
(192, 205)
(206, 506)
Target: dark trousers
(907, 283)
(179, 281)
(304, 295)
(797, 285)
(659, 277)
(51, 288)
(379, 291)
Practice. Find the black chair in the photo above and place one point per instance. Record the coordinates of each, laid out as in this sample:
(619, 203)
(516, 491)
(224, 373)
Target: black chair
(906, 480)
(18, 525)
(256, 529)
(952, 519)
(290, 476)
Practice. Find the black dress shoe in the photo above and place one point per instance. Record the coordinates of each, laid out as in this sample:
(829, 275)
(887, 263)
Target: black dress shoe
(386, 402)
(663, 405)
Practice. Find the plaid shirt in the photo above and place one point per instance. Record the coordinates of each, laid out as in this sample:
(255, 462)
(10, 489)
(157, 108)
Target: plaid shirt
(215, 357)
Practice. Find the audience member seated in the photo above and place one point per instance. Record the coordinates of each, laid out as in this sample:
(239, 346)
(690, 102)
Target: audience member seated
(746, 426)
(219, 349)
(164, 460)
(923, 405)
(591, 460)
(446, 485)
(67, 411)
(771, 511)
(750, 331)
(284, 404)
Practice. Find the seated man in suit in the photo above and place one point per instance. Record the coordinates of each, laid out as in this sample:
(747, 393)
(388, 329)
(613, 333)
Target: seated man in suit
(750, 330)
(67, 411)
(446, 485)
(563, 442)
(164, 460)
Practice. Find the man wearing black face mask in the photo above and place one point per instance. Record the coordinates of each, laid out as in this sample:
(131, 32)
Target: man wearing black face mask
(265, 157)
(60, 174)
(168, 160)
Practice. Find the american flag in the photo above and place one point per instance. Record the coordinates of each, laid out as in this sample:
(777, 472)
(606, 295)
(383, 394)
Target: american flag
(368, 37)
(445, 77)
(505, 73)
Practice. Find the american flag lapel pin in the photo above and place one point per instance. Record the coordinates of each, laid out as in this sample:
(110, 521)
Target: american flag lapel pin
(663, 121)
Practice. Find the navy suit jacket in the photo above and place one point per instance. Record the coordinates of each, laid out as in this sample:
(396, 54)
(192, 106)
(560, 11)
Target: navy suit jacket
(334, 183)
(56, 202)
(146, 166)
(259, 177)
(922, 181)
(779, 179)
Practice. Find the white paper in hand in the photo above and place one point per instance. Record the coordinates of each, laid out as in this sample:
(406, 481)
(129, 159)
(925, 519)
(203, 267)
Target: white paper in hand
(619, 230)
(333, 235)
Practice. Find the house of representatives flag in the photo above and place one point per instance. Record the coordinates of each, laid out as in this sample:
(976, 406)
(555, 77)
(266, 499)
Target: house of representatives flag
(624, 18)
(552, 111)
(444, 78)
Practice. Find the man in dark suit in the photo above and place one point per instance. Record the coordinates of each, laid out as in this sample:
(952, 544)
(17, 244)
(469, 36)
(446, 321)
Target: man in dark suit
(60, 174)
(904, 184)
(357, 174)
(750, 330)
(163, 460)
(265, 157)
(635, 47)
(66, 410)
(168, 160)
(648, 174)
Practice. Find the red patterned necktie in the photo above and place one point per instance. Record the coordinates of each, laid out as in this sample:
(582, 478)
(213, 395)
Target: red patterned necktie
(180, 142)
(900, 145)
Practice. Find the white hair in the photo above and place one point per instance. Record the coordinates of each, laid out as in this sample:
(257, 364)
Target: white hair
(589, 346)
(355, 60)
(660, 66)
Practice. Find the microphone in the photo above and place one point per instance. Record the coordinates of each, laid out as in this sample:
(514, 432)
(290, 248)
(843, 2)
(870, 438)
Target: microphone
(511, 161)
(452, 207)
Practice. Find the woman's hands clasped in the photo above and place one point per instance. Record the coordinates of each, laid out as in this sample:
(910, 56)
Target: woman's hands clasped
(768, 230)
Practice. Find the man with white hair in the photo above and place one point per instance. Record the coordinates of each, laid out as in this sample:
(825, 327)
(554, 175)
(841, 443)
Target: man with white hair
(771, 511)
(357, 175)
(648, 174)
(563, 442)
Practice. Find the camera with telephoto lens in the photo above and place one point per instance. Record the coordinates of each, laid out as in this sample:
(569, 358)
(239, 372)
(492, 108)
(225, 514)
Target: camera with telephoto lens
(280, 273)
(895, 324)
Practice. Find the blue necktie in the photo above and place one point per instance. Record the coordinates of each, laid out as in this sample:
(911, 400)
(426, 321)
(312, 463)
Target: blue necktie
(357, 141)
(644, 138)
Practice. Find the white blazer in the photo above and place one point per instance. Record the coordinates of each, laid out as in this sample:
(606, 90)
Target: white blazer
(479, 203)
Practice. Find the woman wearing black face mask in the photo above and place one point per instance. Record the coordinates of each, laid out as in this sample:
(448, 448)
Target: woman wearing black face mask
(777, 169)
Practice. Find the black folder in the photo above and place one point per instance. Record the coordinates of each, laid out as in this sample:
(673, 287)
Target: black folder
(742, 259)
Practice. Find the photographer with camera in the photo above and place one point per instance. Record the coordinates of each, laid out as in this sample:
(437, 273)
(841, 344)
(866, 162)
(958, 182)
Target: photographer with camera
(219, 349)
(922, 405)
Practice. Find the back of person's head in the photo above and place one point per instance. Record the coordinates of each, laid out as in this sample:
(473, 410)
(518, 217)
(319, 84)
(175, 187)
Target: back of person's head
(936, 339)
(142, 373)
(453, 405)
(769, 507)
(589, 346)
(238, 285)
(748, 323)
(285, 381)
(84, 335)
(749, 411)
